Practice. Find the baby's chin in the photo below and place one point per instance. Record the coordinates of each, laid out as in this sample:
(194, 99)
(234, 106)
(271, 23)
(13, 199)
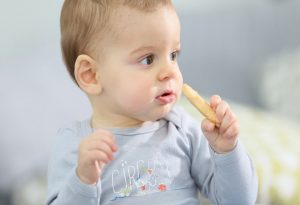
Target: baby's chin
(154, 113)
(163, 112)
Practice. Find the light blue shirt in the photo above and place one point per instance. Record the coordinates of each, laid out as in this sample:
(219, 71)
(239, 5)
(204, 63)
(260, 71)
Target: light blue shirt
(164, 162)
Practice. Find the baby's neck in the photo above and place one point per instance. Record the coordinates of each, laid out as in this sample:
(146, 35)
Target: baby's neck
(114, 122)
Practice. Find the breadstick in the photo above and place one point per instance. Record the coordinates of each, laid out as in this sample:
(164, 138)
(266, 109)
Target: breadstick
(200, 104)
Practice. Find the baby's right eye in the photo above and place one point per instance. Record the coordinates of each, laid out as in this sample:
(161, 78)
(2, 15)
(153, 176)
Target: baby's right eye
(147, 60)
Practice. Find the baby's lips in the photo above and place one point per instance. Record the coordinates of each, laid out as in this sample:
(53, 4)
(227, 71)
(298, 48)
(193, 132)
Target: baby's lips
(165, 99)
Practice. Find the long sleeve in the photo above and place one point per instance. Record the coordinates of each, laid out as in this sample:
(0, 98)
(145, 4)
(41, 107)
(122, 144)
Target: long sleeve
(64, 187)
(226, 179)
(235, 178)
(165, 162)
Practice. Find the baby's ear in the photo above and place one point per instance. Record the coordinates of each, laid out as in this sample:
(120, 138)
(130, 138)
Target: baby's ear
(86, 75)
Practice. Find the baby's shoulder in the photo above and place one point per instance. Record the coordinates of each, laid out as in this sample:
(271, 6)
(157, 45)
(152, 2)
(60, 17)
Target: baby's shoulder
(72, 131)
(183, 120)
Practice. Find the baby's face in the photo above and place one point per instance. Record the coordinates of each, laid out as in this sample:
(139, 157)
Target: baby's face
(139, 74)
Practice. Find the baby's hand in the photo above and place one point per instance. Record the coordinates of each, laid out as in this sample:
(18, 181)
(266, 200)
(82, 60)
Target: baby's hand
(224, 138)
(95, 151)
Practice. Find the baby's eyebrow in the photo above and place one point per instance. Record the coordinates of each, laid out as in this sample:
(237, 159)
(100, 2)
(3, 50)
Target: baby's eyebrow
(141, 49)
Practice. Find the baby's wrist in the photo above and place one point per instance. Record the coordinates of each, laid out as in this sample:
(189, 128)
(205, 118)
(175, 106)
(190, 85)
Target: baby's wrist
(84, 179)
(224, 150)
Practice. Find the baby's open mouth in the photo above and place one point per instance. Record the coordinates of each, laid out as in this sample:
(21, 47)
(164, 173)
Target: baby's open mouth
(166, 94)
(166, 97)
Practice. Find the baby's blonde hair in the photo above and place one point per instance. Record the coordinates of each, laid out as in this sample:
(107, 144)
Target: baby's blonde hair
(84, 22)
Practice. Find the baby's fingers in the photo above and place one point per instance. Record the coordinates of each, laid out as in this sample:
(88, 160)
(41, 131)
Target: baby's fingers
(232, 131)
(215, 101)
(221, 110)
(100, 156)
(106, 137)
(102, 146)
(228, 120)
(207, 126)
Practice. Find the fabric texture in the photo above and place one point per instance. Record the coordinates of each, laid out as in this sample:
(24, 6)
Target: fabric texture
(164, 162)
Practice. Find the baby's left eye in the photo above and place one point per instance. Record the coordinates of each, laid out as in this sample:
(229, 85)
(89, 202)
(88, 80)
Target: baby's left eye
(147, 60)
(174, 55)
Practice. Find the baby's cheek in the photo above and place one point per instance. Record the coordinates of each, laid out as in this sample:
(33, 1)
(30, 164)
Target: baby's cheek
(140, 100)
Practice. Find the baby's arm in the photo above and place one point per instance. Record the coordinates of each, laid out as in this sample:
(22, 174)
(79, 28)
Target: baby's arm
(220, 127)
(95, 151)
(73, 171)
(224, 138)
(223, 171)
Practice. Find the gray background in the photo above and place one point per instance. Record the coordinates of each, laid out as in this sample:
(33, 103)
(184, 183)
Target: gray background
(224, 45)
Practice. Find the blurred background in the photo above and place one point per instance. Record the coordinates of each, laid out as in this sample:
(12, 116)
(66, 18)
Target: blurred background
(247, 51)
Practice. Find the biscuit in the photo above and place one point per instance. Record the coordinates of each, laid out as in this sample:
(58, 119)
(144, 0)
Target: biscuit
(198, 102)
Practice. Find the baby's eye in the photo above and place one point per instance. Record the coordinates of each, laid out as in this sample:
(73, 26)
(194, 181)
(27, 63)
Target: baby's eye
(174, 55)
(147, 60)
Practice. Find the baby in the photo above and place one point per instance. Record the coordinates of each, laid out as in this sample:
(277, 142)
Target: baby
(137, 147)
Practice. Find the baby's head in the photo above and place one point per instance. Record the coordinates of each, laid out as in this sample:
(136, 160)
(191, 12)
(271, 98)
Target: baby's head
(123, 55)
(86, 23)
